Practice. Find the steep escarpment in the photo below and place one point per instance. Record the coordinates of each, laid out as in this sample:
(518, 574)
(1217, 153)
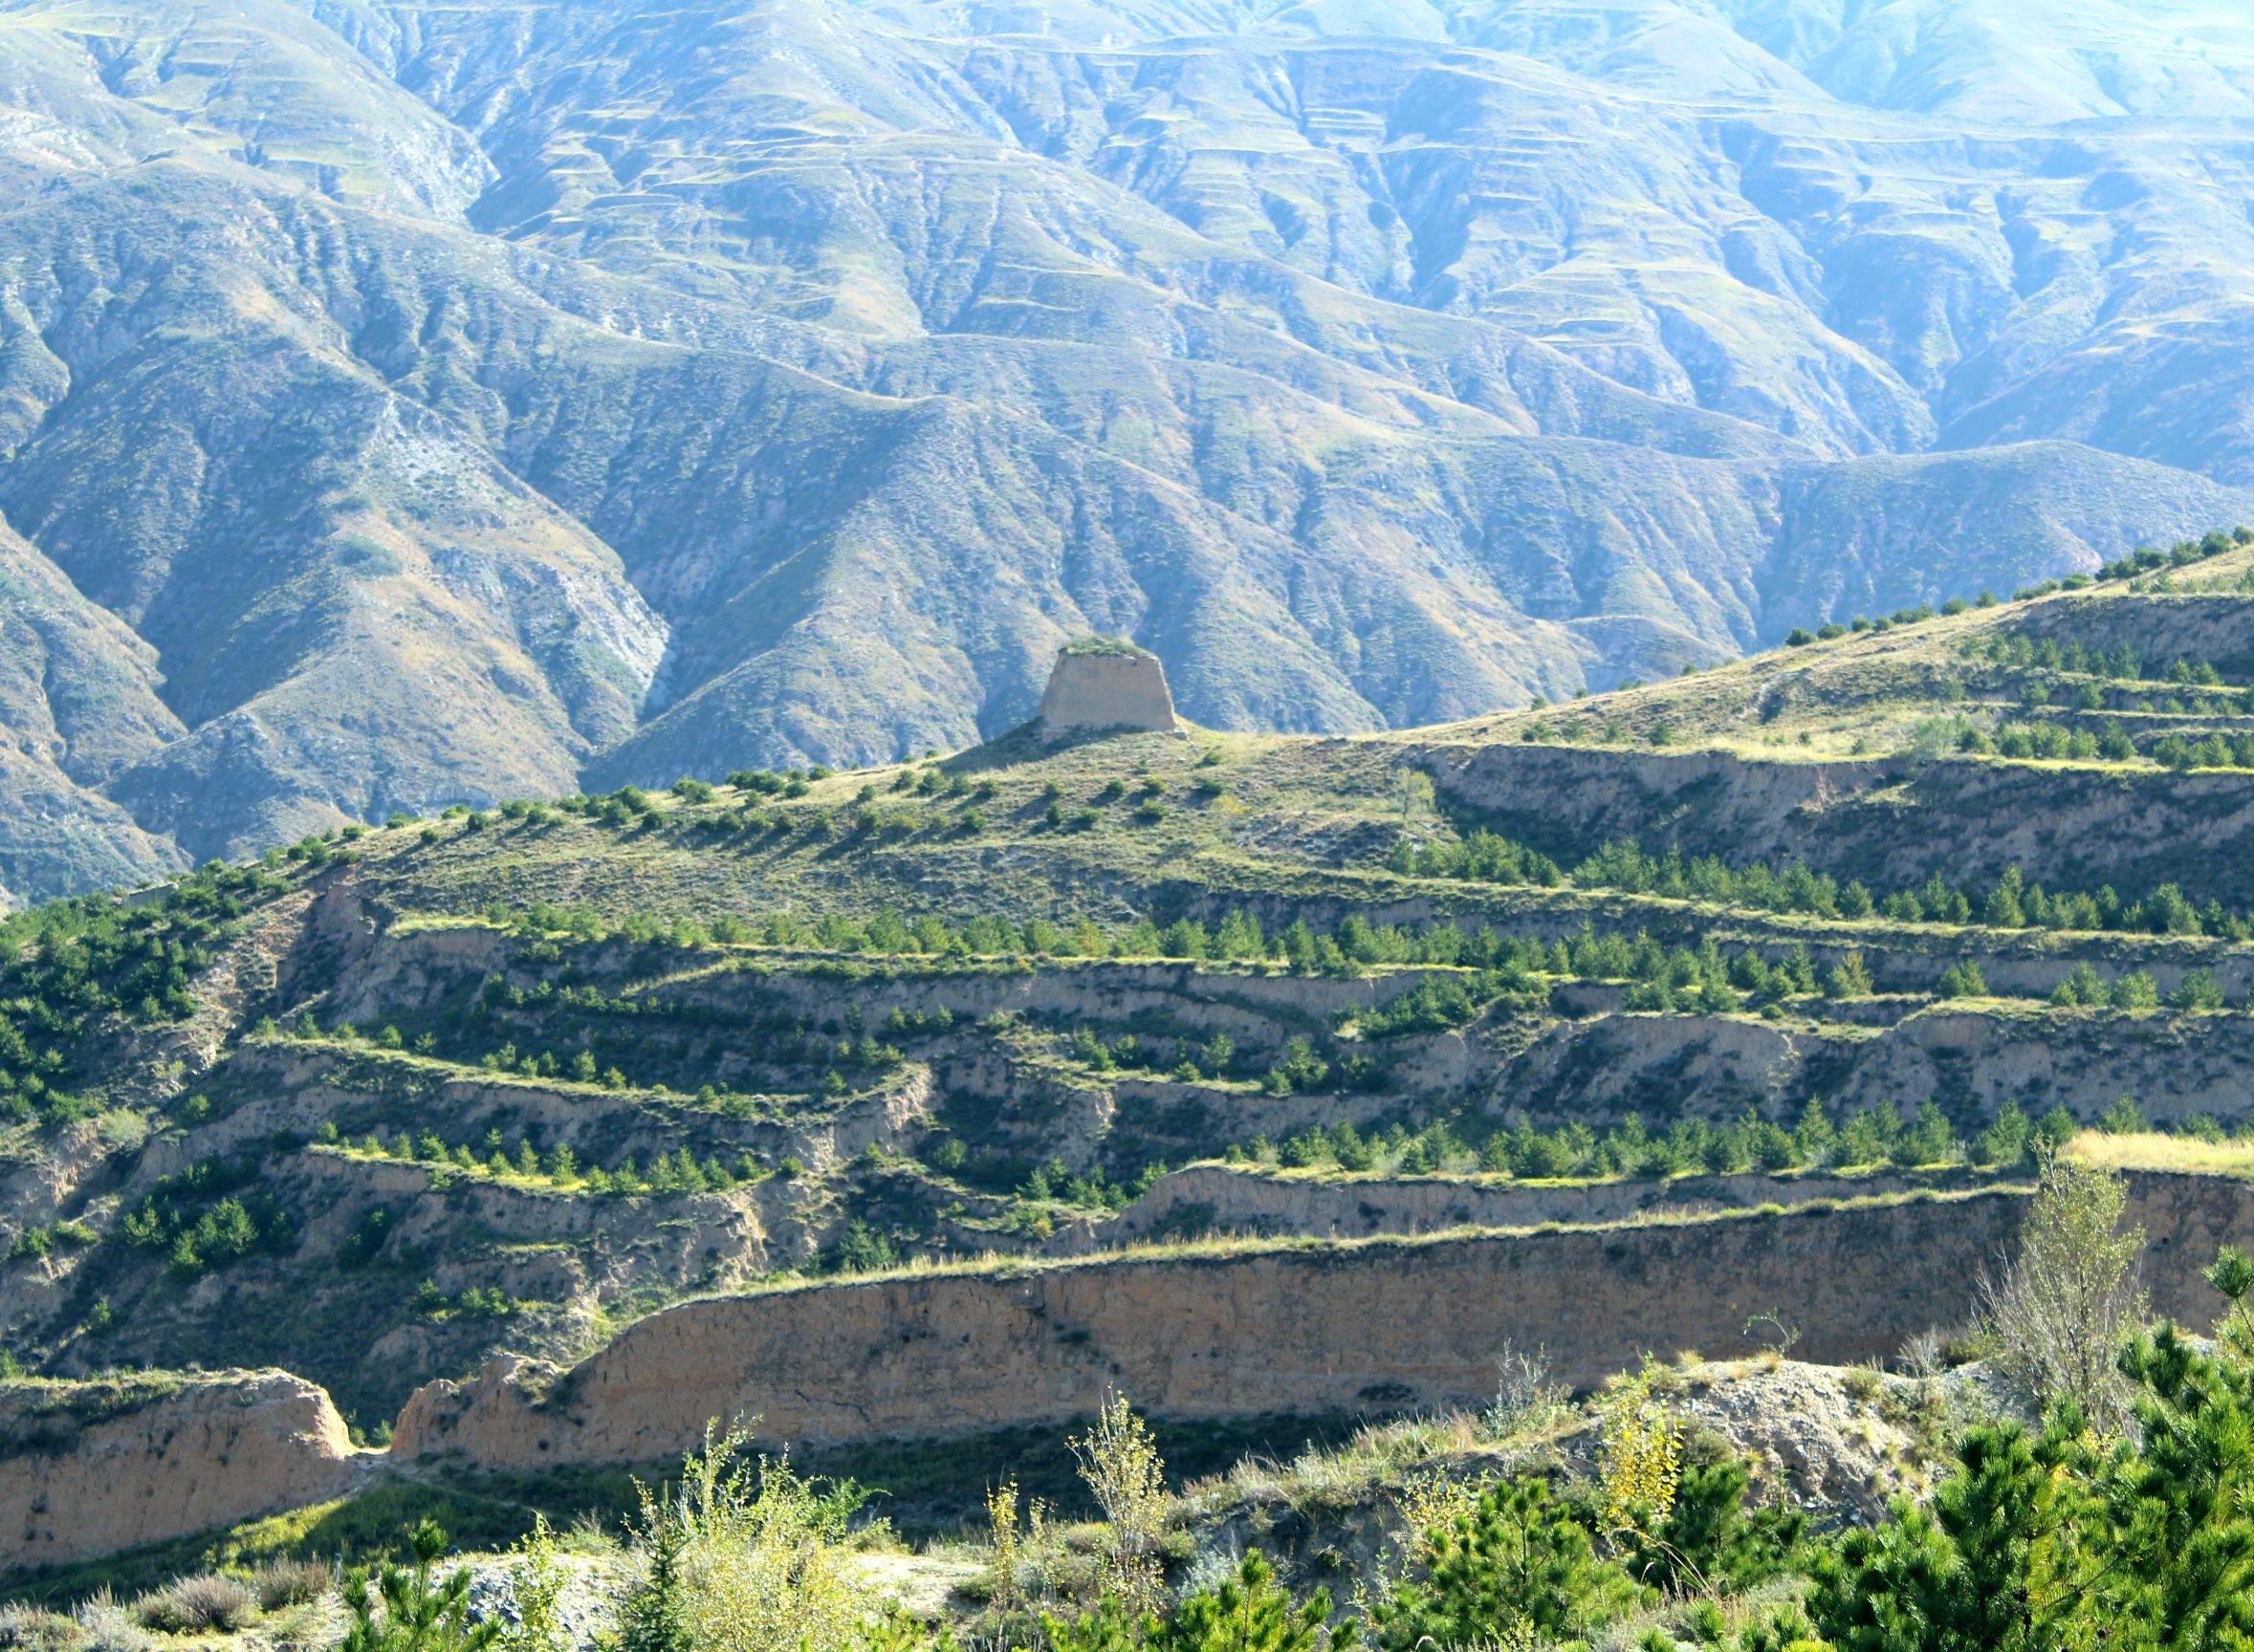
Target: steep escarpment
(1278, 1330)
(88, 1468)
(92, 1468)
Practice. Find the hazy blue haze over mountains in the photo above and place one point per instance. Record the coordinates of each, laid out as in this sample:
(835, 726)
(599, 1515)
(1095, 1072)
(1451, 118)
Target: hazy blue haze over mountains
(400, 403)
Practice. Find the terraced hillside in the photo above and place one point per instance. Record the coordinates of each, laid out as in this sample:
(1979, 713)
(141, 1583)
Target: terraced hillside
(1867, 918)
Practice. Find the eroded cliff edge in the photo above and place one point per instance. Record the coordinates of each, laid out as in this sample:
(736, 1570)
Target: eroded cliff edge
(90, 1468)
(1389, 1324)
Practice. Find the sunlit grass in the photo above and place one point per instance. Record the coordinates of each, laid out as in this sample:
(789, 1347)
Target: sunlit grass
(2150, 1150)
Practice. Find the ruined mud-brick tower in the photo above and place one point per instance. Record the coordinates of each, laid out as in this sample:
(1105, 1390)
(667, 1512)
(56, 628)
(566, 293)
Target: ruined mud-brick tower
(1105, 682)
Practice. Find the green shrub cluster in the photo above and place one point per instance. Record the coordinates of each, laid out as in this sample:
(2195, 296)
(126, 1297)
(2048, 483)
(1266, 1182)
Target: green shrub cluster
(476, 1302)
(1440, 1004)
(68, 964)
(2180, 752)
(40, 1240)
(199, 1222)
(2121, 663)
(1054, 1182)
(2056, 742)
(2052, 743)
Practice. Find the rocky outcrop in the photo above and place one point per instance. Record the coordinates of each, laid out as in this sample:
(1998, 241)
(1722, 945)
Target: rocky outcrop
(89, 1468)
(1100, 683)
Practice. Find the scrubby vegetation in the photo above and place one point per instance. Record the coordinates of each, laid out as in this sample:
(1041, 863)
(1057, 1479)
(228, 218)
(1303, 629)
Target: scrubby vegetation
(69, 965)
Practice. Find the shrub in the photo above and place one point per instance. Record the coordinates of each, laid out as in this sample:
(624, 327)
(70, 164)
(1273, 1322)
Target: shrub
(1119, 1461)
(2083, 986)
(1518, 1563)
(211, 1603)
(1639, 1454)
(2197, 990)
(109, 1625)
(2004, 1141)
(1525, 1398)
(1710, 1539)
(745, 1556)
(1948, 1577)
(2135, 991)
(1963, 981)
(29, 1629)
(2124, 1118)
(536, 1581)
(1849, 978)
(2065, 1306)
(410, 1608)
(284, 1582)
(2065, 1539)
(1928, 1140)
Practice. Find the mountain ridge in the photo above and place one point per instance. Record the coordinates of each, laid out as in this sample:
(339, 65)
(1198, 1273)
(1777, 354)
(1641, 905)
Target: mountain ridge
(782, 385)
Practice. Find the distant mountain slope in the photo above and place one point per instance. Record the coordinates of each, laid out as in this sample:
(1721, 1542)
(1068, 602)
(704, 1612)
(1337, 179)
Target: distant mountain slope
(402, 404)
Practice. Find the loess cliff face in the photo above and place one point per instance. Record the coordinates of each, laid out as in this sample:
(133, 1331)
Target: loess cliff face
(2137, 828)
(1385, 1326)
(87, 1468)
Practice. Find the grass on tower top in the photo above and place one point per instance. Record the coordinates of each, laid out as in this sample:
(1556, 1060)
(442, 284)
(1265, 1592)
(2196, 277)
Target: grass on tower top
(1117, 647)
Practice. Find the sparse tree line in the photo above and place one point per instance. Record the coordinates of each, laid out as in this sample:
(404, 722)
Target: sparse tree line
(2145, 559)
(1485, 971)
(2055, 742)
(1819, 1138)
(2118, 663)
(836, 1046)
(1868, 1138)
(907, 808)
(521, 1162)
(1698, 980)
(1623, 867)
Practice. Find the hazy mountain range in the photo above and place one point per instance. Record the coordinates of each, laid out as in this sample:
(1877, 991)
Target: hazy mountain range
(403, 403)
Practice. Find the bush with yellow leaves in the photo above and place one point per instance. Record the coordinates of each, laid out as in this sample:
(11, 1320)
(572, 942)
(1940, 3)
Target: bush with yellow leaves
(746, 1555)
(1639, 1457)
